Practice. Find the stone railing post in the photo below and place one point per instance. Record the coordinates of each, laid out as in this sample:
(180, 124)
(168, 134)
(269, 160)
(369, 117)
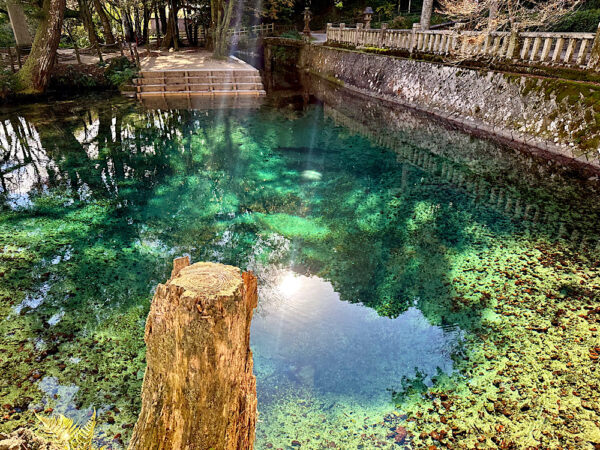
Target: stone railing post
(199, 391)
(413, 38)
(359, 27)
(328, 32)
(382, 34)
(341, 33)
(513, 50)
(594, 62)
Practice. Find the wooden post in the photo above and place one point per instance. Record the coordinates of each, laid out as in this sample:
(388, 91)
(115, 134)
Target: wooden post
(594, 62)
(77, 52)
(199, 391)
(99, 53)
(137, 56)
(12, 61)
(18, 50)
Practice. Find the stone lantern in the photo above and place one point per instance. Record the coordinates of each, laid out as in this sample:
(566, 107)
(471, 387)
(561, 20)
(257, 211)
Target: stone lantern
(368, 12)
(307, 18)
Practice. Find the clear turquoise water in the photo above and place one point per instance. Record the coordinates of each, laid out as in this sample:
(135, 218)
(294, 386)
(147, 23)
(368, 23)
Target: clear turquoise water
(356, 220)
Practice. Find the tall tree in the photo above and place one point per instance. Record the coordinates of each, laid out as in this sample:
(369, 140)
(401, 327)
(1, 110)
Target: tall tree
(88, 22)
(426, 14)
(34, 76)
(18, 22)
(221, 11)
(109, 37)
(171, 38)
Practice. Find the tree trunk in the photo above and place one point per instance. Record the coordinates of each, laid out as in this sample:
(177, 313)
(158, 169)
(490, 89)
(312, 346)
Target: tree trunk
(199, 391)
(86, 18)
(163, 18)
(18, 21)
(138, 25)
(426, 14)
(221, 11)
(127, 25)
(172, 35)
(109, 37)
(34, 76)
(145, 22)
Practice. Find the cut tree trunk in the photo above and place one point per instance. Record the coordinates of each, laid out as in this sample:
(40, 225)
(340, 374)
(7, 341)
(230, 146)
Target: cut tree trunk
(199, 391)
(109, 37)
(34, 76)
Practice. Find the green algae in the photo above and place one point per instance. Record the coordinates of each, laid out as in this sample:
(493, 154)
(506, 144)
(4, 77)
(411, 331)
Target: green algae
(395, 229)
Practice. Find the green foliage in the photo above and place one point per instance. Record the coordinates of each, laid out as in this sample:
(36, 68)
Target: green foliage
(73, 77)
(292, 34)
(579, 21)
(68, 434)
(285, 56)
(120, 71)
(6, 35)
(8, 82)
(404, 22)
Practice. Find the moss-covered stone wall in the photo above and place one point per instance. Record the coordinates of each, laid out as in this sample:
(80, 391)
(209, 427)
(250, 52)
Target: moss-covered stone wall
(548, 114)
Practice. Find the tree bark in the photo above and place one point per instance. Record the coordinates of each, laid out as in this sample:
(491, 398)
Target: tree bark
(88, 23)
(127, 25)
(172, 34)
(34, 76)
(426, 14)
(109, 37)
(18, 22)
(199, 391)
(221, 11)
(163, 18)
(145, 25)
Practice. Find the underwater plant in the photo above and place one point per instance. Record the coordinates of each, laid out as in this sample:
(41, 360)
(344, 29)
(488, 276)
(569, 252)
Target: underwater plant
(69, 435)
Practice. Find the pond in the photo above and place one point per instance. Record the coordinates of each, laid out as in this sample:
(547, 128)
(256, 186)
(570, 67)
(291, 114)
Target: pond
(417, 285)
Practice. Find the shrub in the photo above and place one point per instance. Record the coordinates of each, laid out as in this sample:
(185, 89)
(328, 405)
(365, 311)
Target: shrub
(292, 34)
(72, 76)
(8, 83)
(120, 71)
(579, 21)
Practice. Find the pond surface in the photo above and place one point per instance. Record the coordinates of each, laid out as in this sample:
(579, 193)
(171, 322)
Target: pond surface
(410, 275)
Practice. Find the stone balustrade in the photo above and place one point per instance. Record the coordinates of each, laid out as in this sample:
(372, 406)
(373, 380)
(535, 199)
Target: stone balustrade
(561, 49)
(255, 30)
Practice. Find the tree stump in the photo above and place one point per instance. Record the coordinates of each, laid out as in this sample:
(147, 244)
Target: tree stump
(199, 391)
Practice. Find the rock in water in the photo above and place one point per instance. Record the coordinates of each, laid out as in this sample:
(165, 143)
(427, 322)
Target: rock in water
(199, 391)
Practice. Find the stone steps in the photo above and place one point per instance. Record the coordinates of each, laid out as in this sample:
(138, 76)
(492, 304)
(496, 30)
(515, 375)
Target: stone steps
(199, 82)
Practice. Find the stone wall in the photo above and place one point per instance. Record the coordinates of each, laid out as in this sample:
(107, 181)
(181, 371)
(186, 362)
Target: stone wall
(552, 115)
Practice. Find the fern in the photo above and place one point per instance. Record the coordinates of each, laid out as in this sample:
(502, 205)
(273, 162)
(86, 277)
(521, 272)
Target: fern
(68, 434)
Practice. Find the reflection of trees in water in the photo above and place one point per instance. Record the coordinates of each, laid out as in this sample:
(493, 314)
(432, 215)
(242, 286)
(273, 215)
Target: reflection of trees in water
(543, 197)
(186, 177)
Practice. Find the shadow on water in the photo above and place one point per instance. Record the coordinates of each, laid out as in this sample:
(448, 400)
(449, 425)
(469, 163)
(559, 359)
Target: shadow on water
(339, 198)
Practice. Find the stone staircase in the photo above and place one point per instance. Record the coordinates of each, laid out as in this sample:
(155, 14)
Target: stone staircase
(199, 82)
